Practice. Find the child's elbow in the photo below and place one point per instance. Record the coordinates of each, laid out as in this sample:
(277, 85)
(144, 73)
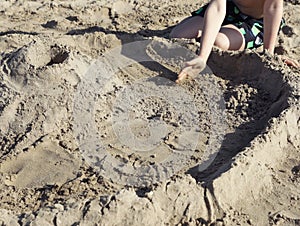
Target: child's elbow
(272, 7)
(217, 9)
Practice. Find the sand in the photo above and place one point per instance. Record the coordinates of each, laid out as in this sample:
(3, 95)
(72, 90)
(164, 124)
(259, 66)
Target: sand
(94, 130)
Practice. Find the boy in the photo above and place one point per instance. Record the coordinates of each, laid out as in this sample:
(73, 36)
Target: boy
(231, 25)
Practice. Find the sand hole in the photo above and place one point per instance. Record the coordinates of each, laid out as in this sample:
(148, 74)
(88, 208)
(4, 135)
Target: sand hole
(148, 120)
(24, 64)
(58, 55)
(252, 91)
(254, 94)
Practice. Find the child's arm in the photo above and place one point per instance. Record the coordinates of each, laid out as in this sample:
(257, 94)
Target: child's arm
(213, 19)
(273, 10)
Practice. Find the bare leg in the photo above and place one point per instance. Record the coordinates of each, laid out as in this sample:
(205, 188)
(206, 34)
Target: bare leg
(190, 27)
(228, 38)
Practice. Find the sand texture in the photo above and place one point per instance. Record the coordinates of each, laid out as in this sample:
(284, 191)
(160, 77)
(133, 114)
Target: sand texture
(94, 130)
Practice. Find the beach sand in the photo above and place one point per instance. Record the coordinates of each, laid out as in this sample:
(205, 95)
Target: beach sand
(94, 130)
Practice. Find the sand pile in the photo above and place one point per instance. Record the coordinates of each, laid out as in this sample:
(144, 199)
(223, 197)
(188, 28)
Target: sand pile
(94, 130)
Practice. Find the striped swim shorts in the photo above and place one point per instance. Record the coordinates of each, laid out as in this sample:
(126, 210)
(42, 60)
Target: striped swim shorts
(251, 28)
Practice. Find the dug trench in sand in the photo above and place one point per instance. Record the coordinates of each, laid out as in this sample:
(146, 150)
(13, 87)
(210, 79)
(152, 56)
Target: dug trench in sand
(47, 180)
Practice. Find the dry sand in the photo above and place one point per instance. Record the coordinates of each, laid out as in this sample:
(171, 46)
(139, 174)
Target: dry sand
(220, 150)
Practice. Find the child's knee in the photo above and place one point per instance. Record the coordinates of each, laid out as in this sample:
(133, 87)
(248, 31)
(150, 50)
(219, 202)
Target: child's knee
(221, 42)
(220, 45)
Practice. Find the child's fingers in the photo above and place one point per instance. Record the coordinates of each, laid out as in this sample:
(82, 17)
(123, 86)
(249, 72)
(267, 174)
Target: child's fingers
(291, 62)
(182, 76)
(191, 69)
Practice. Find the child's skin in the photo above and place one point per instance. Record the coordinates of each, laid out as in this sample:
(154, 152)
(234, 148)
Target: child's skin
(228, 37)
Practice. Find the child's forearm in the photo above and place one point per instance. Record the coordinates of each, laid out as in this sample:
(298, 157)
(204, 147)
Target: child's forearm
(273, 10)
(213, 19)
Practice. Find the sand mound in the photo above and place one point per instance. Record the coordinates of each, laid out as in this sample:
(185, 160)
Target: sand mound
(94, 131)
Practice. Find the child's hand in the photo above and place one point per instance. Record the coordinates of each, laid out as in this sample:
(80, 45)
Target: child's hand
(290, 62)
(191, 69)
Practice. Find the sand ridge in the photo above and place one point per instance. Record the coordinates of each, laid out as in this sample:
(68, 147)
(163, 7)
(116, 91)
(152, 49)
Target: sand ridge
(49, 175)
